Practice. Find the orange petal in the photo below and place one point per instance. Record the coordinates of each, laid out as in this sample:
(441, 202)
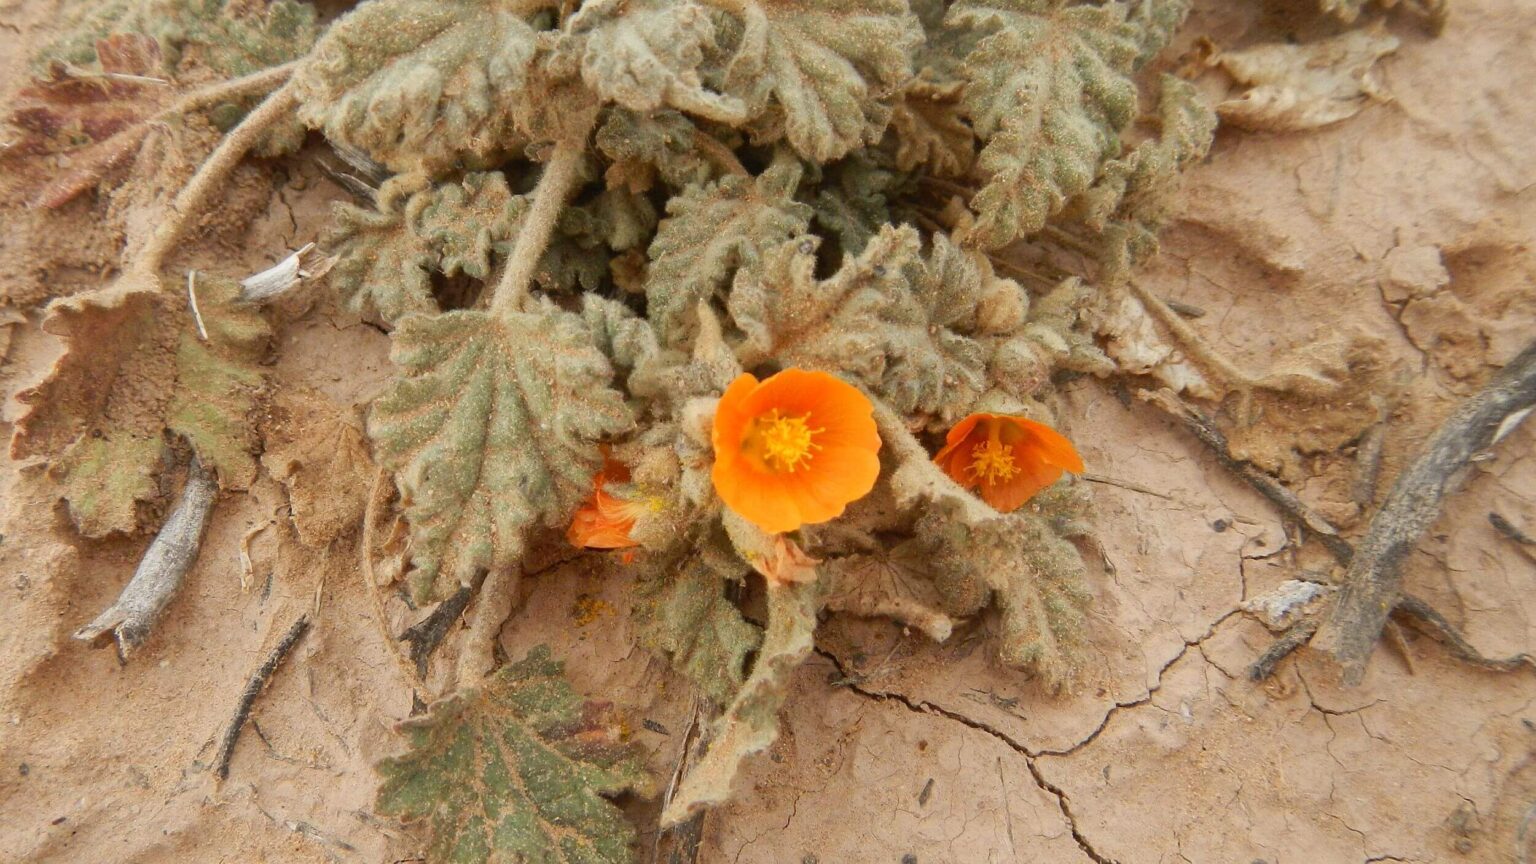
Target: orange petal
(1010, 494)
(1052, 445)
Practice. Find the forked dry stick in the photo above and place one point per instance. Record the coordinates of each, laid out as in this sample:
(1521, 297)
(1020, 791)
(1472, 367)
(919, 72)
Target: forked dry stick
(1372, 586)
(253, 688)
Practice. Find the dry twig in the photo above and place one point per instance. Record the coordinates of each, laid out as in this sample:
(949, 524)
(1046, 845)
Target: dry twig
(1371, 589)
(253, 688)
(165, 563)
(1205, 429)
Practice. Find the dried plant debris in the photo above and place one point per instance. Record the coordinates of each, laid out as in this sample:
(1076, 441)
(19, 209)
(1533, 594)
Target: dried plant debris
(125, 67)
(319, 451)
(140, 364)
(515, 770)
(1295, 87)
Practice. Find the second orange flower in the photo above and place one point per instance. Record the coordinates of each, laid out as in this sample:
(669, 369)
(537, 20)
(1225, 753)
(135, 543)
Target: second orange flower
(1006, 458)
(793, 449)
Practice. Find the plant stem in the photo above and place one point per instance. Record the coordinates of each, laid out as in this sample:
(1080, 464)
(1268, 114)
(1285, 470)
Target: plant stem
(554, 188)
(498, 596)
(211, 175)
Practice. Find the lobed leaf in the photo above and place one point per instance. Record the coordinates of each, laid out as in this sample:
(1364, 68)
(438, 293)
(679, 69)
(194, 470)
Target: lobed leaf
(709, 233)
(685, 615)
(419, 85)
(885, 320)
(491, 429)
(386, 257)
(515, 769)
(230, 37)
(823, 70)
(1048, 91)
(930, 130)
(750, 724)
(892, 583)
(645, 55)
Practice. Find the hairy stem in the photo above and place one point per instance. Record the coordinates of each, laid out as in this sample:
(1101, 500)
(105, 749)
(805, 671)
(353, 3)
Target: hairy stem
(213, 172)
(498, 596)
(1372, 585)
(169, 556)
(554, 189)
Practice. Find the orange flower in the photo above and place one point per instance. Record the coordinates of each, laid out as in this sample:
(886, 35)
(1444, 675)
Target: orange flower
(604, 521)
(793, 449)
(1008, 458)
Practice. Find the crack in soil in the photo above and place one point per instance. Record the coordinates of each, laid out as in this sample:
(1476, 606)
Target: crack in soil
(922, 706)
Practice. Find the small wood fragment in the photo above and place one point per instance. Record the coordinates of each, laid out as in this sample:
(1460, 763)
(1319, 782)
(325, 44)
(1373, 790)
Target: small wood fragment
(253, 688)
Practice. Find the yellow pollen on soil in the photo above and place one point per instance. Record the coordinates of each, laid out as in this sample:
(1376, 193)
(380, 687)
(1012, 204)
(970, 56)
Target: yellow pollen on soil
(992, 462)
(784, 444)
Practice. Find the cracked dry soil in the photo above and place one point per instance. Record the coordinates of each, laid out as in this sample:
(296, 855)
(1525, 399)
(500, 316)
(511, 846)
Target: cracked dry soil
(1410, 223)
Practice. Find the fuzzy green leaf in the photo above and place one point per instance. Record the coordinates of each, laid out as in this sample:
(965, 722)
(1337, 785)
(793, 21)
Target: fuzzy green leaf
(660, 143)
(684, 614)
(136, 366)
(852, 203)
(879, 320)
(751, 723)
(491, 428)
(645, 55)
(824, 69)
(1156, 22)
(1048, 90)
(385, 259)
(709, 233)
(515, 770)
(419, 84)
(230, 37)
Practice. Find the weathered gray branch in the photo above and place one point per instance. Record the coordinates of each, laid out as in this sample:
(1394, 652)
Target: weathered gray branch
(1372, 585)
(169, 556)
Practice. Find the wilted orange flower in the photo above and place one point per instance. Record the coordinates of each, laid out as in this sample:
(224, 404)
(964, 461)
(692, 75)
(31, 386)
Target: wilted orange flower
(1007, 458)
(604, 521)
(793, 449)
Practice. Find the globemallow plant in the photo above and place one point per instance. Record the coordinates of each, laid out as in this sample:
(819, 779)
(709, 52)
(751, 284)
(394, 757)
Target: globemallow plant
(706, 282)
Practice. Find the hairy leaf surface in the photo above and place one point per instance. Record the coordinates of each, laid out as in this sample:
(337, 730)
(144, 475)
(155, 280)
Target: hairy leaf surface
(386, 258)
(419, 84)
(231, 37)
(751, 723)
(879, 320)
(515, 770)
(709, 233)
(491, 429)
(645, 55)
(1048, 90)
(825, 69)
(685, 615)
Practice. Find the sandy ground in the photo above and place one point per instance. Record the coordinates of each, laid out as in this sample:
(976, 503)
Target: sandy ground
(1410, 224)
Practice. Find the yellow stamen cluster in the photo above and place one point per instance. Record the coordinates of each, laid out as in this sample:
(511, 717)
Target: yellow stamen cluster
(784, 444)
(992, 462)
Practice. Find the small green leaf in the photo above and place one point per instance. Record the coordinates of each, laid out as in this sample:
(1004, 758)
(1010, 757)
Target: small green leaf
(515, 770)
(659, 143)
(683, 613)
(852, 203)
(880, 320)
(710, 232)
(751, 723)
(1048, 90)
(645, 55)
(491, 429)
(419, 84)
(386, 258)
(824, 69)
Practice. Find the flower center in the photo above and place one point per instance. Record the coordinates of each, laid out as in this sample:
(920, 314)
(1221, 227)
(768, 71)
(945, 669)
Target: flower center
(992, 462)
(783, 443)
